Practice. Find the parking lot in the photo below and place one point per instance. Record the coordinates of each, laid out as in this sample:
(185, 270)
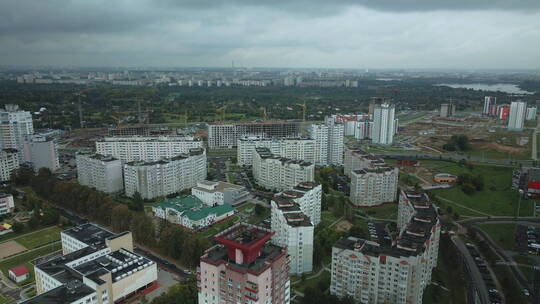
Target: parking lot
(528, 239)
(487, 276)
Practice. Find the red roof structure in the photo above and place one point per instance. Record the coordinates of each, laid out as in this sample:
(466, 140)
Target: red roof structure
(19, 270)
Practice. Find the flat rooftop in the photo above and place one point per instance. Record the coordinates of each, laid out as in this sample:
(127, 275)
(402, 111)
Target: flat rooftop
(269, 252)
(373, 170)
(90, 234)
(65, 294)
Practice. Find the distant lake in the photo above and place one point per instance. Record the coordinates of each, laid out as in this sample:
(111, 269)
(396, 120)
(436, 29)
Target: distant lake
(503, 87)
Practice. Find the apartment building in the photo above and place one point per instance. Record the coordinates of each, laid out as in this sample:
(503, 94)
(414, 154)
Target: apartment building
(530, 114)
(278, 173)
(397, 273)
(244, 268)
(359, 159)
(191, 212)
(308, 197)
(374, 186)
(489, 103)
(328, 142)
(146, 148)
(166, 176)
(350, 121)
(225, 136)
(103, 173)
(516, 118)
(385, 124)
(9, 162)
(41, 152)
(293, 148)
(15, 126)
(294, 230)
(219, 193)
(7, 205)
(97, 266)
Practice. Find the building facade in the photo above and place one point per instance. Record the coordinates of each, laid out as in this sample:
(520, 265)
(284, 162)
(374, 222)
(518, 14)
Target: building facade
(328, 142)
(358, 159)
(447, 110)
(9, 162)
(293, 148)
(219, 193)
(397, 273)
(42, 152)
(7, 205)
(489, 102)
(384, 124)
(15, 126)
(103, 173)
(530, 113)
(278, 173)
(146, 148)
(166, 176)
(516, 118)
(225, 136)
(244, 268)
(308, 196)
(374, 186)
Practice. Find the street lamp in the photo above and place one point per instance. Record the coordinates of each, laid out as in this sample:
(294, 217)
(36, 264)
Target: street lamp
(520, 194)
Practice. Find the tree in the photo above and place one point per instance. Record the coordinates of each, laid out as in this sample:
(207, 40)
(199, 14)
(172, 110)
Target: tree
(137, 203)
(22, 176)
(259, 210)
(468, 188)
(49, 217)
(179, 294)
(17, 227)
(120, 218)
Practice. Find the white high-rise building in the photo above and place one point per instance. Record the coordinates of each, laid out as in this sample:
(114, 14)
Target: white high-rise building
(374, 186)
(225, 136)
(384, 124)
(358, 159)
(278, 173)
(531, 113)
(15, 127)
(398, 273)
(166, 176)
(308, 196)
(146, 148)
(293, 148)
(293, 230)
(488, 101)
(328, 142)
(9, 162)
(363, 129)
(42, 152)
(101, 172)
(516, 119)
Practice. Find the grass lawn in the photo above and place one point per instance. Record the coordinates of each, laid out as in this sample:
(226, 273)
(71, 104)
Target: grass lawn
(4, 300)
(219, 227)
(256, 219)
(323, 279)
(230, 177)
(387, 211)
(327, 218)
(527, 271)
(26, 258)
(247, 208)
(502, 234)
(408, 179)
(39, 238)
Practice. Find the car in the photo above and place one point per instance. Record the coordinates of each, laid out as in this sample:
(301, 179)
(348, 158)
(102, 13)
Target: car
(188, 272)
(526, 292)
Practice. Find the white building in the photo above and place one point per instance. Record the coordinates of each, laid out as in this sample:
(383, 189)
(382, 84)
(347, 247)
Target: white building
(308, 197)
(146, 148)
(372, 273)
(6, 203)
(97, 266)
(42, 152)
(363, 129)
(530, 113)
(384, 124)
(488, 101)
(9, 161)
(374, 186)
(516, 118)
(293, 148)
(166, 176)
(219, 193)
(103, 173)
(15, 127)
(350, 122)
(225, 136)
(277, 173)
(328, 142)
(294, 230)
(358, 159)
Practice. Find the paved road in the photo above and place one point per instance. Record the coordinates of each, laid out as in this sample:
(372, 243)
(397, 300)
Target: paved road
(534, 139)
(454, 157)
(474, 272)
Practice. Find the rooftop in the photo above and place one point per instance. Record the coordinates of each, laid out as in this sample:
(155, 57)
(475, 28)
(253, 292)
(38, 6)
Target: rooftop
(193, 208)
(65, 294)
(89, 234)
(266, 154)
(137, 138)
(216, 186)
(192, 152)
(100, 157)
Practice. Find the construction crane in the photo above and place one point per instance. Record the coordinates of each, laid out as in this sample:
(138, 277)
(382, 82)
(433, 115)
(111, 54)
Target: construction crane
(118, 121)
(222, 111)
(81, 121)
(303, 105)
(264, 112)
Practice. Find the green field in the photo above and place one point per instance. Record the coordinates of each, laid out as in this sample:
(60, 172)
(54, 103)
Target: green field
(323, 279)
(256, 219)
(502, 234)
(26, 258)
(387, 211)
(528, 272)
(4, 300)
(247, 208)
(38, 238)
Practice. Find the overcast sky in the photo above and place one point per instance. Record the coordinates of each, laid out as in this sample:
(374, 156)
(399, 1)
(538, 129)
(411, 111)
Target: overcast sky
(272, 33)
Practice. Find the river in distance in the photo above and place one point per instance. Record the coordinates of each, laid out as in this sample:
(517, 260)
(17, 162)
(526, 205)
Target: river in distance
(503, 87)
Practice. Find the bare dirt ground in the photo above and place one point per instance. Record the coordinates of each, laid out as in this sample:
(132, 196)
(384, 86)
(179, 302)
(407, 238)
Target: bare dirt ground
(503, 148)
(343, 226)
(10, 248)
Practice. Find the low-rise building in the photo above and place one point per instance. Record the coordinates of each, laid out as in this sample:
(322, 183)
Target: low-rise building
(42, 152)
(19, 274)
(244, 268)
(293, 230)
(398, 273)
(191, 212)
(278, 173)
(103, 173)
(219, 193)
(9, 162)
(445, 178)
(166, 176)
(374, 186)
(97, 266)
(7, 204)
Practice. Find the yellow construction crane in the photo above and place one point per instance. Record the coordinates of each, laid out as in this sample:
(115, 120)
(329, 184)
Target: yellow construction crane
(303, 105)
(222, 111)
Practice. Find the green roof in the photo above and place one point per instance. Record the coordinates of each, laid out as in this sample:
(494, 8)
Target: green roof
(193, 208)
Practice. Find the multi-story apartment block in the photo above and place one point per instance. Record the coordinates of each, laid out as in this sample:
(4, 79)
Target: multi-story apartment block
(9, 162)
(7, 205)
(278, 173)
(293, 148)
(374, 186)
(516, 118)
(447, 110)
(293, 230)
(385, 124)
(219, 193)
(103, 173)
(308, 197)
(328, 142)
(15, 127)
(226, 136)
(489, 102)
(146, 148)
(350, 121)
(531, 113)
(97, 266)
(244, 268)
(166, 176)
(191, 212)
(363, 129)
(42, 152)
(358, 159)
(398, 273)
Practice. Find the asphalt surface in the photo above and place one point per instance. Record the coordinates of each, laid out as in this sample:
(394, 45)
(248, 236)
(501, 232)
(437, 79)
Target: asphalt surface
(476, 276)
